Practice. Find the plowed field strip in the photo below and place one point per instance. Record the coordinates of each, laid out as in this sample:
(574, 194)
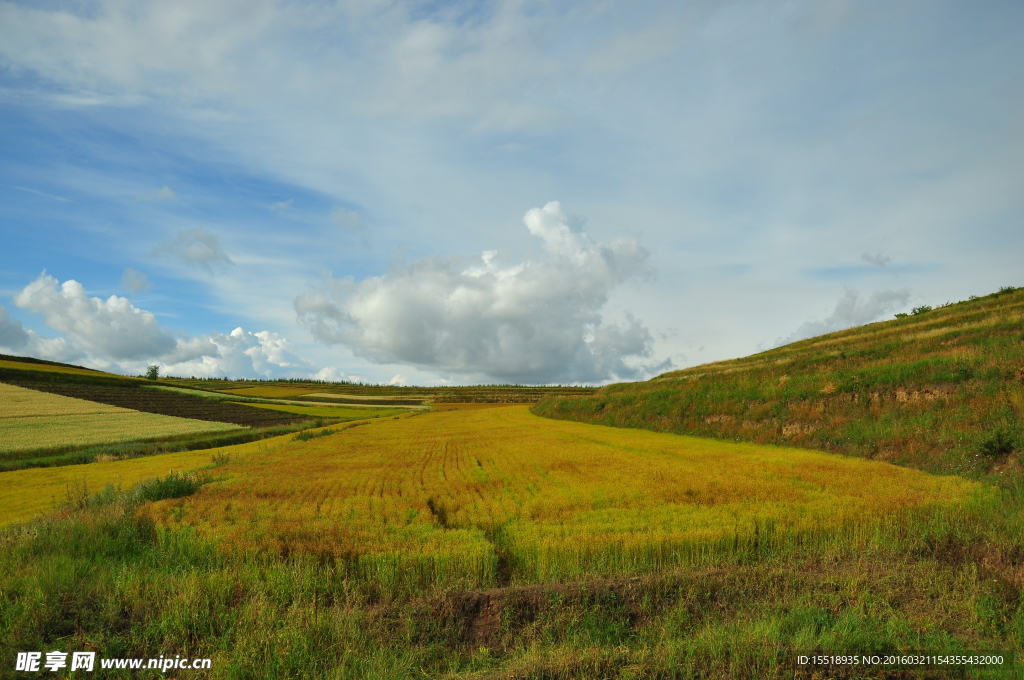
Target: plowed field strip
(169, 404)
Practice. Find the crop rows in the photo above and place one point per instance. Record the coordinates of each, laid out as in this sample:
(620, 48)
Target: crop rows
(168, 403)
(495, 495)
(35, 420)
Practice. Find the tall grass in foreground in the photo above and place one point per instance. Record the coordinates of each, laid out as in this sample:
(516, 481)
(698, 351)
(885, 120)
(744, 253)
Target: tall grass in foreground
(104, 576)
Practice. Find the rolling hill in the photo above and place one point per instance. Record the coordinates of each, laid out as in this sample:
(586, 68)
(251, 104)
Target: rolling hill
(939, 390)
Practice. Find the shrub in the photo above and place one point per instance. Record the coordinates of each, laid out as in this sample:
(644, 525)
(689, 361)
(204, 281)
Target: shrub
(307, 435)
(153, 372)
(902, 315)
(999, 444)
(174, 485)
(921, 310)
(220, 458)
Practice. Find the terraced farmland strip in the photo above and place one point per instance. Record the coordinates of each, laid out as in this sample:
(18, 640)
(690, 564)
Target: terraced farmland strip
(342, 412)
(270, 391)
(349, 399)
(49, 368)
(25, 494)
(168, 403)
(35, 420)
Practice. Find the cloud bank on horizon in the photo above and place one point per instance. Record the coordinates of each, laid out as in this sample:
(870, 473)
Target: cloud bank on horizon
(198, 166)
(535, 322)
(115, 335)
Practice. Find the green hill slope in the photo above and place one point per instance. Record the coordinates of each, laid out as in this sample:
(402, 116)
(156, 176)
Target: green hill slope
(941, 390)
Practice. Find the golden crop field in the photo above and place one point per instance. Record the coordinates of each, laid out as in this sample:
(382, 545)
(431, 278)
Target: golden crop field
(461, 496)
(352, 412)
(47, 368)
(24, 494)
(31, 420)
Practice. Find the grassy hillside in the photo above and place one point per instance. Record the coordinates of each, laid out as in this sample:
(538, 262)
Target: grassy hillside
(940, 390)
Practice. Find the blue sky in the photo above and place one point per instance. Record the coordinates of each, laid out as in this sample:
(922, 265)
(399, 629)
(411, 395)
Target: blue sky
(511, 191)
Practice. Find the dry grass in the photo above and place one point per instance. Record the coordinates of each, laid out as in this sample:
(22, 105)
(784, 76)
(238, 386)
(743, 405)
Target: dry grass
(25, 494)
(458, 496)
(32, 420)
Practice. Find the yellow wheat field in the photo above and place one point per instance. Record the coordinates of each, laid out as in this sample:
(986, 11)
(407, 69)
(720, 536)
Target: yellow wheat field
(47, 368)
(471, 493)
(25, 494)
(34, 420)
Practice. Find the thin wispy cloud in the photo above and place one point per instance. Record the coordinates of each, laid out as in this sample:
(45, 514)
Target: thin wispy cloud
(52, 197)
(877, 259)
(164, 193)
(196, 247)
(351, 225)
(134, 281)
(852, 310)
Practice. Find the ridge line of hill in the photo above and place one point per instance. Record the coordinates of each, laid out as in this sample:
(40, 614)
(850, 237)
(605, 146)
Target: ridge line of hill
(939, 390)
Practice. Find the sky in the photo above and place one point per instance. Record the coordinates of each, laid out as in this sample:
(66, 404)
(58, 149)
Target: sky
(495, 192)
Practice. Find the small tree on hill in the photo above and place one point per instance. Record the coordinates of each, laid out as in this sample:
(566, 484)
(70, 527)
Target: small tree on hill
(153, 372)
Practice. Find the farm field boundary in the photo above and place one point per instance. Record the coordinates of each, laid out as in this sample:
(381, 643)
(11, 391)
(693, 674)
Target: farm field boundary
(33, 420)
(342, 413)
(25, 494)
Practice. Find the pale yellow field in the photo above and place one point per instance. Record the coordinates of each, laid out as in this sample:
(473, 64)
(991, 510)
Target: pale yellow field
(31, 420)
(25, 494)
(46, 368)
(456, 490)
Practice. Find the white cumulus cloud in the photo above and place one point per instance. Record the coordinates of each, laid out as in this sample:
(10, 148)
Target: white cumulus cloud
(851, 311)
(111, 328)
(113, 334)
(538, 321)
(240, 353)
